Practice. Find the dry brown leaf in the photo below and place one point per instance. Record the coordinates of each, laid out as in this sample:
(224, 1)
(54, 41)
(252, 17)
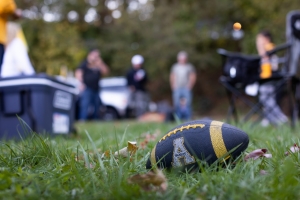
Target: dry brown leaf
(130, 149)
(143, 144)
(106, 154)
(151, 181)
(148, 138)
(154, 135)
(293, 149)
(124, 152)
(152, 117)
(258, 153)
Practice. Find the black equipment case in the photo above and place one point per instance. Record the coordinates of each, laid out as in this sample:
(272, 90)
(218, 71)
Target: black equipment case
(45, 104)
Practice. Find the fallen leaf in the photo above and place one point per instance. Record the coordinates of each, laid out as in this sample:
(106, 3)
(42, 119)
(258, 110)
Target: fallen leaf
(143, 144)
(293, 149)
(152, 117)
(258, 153)
(267, 155)
(130, 149)
(106, 154)
(122, 152)
(151, 181)
(148, 138)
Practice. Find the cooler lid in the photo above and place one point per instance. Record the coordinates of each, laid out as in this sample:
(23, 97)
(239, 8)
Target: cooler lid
(39, 79)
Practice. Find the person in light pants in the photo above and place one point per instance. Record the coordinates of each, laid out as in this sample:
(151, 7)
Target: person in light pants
(182, 81)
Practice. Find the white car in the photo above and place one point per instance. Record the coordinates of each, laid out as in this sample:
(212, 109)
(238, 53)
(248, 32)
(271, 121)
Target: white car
(115, 95)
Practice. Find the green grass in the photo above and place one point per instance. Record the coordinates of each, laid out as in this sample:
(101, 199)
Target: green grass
(46, 167)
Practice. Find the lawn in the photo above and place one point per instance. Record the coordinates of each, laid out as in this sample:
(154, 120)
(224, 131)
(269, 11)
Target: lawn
(72, 168)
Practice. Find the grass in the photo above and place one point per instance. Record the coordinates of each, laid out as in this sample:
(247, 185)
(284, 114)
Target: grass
(43, 167)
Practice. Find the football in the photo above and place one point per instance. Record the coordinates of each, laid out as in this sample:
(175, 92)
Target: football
(202, 140)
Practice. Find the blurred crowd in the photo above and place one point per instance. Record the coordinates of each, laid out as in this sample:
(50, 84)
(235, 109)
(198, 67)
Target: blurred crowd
(182, 80)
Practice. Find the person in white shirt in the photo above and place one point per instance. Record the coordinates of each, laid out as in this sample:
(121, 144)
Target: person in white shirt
(16, 61)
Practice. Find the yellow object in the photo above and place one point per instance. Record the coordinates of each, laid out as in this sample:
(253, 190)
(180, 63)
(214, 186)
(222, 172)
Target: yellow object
(237, 26)
(7, 7)
(266, 70)
(269, 46)
(217, 139)
(266, 67)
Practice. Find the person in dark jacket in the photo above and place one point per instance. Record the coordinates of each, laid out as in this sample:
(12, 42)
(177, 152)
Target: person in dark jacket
(89, 74)
(136, 81)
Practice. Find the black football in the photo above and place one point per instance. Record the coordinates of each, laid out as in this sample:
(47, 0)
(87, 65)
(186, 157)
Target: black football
(204, 140)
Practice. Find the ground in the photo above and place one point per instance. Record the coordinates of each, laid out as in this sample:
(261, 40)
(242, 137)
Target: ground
(71, 167)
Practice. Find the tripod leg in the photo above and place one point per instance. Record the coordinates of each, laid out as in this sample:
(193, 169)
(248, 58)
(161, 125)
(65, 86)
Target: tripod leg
(294, 106)
(253, 110)
(232, 108)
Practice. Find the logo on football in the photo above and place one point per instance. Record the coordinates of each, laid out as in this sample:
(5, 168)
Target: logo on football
(204, 140)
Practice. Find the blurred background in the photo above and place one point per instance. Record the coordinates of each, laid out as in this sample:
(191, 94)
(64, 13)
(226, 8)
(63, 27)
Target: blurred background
(59, 34)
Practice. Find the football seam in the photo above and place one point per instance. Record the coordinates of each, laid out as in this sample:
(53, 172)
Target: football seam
(180, 129)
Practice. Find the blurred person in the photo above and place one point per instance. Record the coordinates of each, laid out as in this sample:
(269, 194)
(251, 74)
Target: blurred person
(89, 73)
(272, 111)
(7, 8)
(136, 81)
(183, 111)
(182, 81)
(16, 61)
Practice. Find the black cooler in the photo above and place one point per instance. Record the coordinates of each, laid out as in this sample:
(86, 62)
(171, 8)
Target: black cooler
(45, 104)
